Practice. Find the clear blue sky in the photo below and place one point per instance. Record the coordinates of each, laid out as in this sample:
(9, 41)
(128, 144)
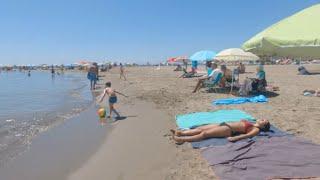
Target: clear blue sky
(65, 31)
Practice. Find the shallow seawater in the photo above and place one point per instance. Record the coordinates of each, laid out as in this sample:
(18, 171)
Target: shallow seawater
(32, 104)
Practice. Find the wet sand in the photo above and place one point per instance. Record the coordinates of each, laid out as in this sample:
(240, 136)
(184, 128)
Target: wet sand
(135, 149)
(59, 151)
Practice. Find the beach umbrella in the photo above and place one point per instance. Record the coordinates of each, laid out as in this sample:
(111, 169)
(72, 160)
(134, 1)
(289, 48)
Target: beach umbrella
(203, 56)
(294, 36)
(83, 63)
(236, 54)
(178, 59)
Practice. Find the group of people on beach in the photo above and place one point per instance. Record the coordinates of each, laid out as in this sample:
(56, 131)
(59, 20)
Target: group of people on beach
(223, 76)
(233, 131)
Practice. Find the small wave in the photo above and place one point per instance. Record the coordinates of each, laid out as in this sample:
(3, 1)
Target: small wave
(10, 120)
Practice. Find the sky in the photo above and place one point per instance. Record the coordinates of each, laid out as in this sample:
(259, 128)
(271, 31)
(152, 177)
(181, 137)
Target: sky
(67, 31)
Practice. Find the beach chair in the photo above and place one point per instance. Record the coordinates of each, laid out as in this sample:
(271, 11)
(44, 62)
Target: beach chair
(213, 84)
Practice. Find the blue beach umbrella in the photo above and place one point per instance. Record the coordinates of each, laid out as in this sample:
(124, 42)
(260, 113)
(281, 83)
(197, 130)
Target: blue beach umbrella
(203, 56)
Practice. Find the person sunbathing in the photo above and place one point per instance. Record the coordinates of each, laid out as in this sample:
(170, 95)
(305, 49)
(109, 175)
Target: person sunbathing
(187, 74)
(234, 131)
(312, 92)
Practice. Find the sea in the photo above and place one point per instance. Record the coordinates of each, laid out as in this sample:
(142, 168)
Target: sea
(31, 104)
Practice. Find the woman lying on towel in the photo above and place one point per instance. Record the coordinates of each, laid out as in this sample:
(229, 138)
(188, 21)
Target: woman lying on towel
(234, 131)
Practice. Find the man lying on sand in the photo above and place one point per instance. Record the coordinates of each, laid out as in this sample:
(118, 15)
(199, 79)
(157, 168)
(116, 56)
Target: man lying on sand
(234, 131)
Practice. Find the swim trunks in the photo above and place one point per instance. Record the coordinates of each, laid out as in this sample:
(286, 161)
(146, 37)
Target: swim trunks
(112, 99)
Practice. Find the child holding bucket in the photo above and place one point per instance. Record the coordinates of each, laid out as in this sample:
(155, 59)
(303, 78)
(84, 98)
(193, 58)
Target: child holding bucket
(112, 98)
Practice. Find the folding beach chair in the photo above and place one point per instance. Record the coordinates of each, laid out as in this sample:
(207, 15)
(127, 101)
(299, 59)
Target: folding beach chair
(213, 84)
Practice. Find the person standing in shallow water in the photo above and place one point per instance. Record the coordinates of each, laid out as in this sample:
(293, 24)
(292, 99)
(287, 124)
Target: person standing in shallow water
(52, 71)
(93, 77)
(122, 72)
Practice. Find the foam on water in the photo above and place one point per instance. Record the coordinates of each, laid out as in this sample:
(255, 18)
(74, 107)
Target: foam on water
(29, 105)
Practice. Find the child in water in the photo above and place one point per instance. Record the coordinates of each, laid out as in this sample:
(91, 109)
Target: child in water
(112, 98)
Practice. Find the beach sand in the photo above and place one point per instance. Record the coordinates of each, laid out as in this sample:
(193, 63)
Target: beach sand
(140, 146)
(158, 157)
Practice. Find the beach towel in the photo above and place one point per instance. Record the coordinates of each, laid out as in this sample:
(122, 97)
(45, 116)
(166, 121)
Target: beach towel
(192, 120)
(264, 158)
(241, 100)
(273, 132)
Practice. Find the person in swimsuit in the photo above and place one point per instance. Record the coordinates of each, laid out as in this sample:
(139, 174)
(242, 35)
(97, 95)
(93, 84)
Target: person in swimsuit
(112, 98)
(234, 131)
(122, 72)
(93, 77)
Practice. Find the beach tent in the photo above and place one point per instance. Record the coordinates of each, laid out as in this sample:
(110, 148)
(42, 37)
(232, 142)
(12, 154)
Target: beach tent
(295, 36)
(236, 54)
(203, 56)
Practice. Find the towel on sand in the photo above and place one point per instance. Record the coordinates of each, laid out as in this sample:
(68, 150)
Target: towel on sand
(273, 132)
(187, 121)
(264, 158)
(241, 100)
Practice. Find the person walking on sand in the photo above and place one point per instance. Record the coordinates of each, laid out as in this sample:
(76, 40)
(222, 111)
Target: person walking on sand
(112, 98)
(122, 72)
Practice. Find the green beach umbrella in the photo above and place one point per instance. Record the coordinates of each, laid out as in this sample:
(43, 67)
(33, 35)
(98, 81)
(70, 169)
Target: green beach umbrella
(294, 36)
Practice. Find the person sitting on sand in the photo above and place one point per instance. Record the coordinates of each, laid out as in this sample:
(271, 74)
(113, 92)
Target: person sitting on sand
(214, 75)
(178, 68)
(112, 98)
(234, 131)
(303, 71)
(187, 74)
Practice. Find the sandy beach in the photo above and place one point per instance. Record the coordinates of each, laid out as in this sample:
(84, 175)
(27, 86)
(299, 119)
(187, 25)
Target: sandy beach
(159, 95)
(160, 90)
(139, 146)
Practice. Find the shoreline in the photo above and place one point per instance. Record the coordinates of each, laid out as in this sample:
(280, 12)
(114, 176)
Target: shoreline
(60, 150)
(47, 103)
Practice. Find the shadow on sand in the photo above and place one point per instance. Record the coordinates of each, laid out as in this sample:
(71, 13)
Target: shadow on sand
(123, 117)
(268, 94)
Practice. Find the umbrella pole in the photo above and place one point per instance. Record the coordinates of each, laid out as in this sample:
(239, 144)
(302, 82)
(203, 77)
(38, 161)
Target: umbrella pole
(232, 82)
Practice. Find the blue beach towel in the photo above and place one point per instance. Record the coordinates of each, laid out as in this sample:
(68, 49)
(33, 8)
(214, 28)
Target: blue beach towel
(192, 120)
(228, 101)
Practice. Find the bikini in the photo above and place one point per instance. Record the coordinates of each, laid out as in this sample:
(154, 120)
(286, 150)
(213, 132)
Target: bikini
(247, 127)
